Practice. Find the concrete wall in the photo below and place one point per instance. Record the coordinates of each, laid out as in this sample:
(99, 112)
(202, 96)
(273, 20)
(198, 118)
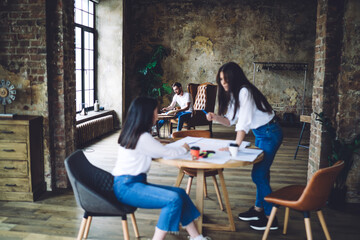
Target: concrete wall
(109, 23)
(202, 35)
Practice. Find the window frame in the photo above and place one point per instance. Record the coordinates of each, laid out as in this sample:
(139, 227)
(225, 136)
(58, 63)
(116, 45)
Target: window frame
(93, 31)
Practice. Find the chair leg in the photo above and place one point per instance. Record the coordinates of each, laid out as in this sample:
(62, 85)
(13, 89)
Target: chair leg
(82, 229)
(307, 225)
(286, 220)
(205, 188)
(188, 187)
(323, 224)
(299, 143)
(125, 229)
(87, 227)
(271, 219)
(218, 193)
(135, 227)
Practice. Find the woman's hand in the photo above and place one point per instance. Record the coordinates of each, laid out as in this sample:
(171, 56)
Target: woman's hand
(210, 116)
(186, 146)
(224, 149)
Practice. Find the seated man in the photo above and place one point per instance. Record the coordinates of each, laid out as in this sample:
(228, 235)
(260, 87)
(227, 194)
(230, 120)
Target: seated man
(183, 99)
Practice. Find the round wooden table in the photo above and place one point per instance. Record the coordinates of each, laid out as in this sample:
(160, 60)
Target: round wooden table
(200, 168)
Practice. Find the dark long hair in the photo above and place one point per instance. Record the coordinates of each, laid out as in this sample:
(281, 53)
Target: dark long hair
(236, 80)
(139, 119)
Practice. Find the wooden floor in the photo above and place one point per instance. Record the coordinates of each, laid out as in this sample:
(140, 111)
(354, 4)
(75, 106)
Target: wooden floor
(56, 215)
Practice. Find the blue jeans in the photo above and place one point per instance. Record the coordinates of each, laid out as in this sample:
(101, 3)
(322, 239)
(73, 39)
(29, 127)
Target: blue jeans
(176, 206)
(182, 118)
(268, 138)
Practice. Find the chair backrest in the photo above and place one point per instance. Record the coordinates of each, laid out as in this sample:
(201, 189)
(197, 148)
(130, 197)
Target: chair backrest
(92, 186)
(319, 187)
(204, 97)
(192, 133)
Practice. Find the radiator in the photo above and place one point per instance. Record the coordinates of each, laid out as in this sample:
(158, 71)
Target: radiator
(93, 129)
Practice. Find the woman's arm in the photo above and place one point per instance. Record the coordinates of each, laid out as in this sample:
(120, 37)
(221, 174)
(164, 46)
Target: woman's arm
(216, 118)
(153, 148)
(240, 135)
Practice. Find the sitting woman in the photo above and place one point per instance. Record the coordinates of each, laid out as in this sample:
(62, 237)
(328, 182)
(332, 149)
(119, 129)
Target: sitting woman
(136, 150)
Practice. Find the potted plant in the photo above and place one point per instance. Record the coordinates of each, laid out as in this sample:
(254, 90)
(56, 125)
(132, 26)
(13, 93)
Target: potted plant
(340, 150)
(151, 75)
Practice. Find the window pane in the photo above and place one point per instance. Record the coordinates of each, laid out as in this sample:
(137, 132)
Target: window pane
(91, 100)
(91, 20)
(77, 37)
(78, 80)
(85, 19)
(78, 16)
(78, 58)
(87, 63)
(78, 4)
(91, 7)
(78, 101)
(91, 41)
(87, 99)
(91, 79)
(85, 5)
(91, 59)
(87, 79)
(86, 40)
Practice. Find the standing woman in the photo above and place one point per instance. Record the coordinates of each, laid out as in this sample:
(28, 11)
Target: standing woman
(136, 150)
(241, 103)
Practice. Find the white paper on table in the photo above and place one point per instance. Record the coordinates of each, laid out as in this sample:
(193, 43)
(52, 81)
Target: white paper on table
(219, 157)
(206, 143)
(247, 154)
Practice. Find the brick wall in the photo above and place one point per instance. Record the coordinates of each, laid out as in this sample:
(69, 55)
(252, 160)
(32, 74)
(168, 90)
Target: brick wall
(61, 58)
(336, 84)
(37, 56)
(326, 72)
(23, 60)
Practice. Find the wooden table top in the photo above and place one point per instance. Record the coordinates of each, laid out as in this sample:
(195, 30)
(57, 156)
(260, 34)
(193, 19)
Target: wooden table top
(198, 164)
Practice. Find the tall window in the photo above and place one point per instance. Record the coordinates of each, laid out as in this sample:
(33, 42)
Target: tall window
(84, 53)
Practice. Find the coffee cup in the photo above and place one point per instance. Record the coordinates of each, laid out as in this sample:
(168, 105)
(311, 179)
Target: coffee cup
(195, 152)
(233, 149)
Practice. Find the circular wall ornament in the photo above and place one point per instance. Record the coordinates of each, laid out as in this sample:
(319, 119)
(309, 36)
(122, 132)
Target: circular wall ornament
(7, 92)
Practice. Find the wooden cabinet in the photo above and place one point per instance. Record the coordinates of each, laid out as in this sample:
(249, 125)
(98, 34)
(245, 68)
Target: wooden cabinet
(21, 158)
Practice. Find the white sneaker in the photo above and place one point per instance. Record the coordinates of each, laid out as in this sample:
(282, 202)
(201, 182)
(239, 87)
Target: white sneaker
(200, 237)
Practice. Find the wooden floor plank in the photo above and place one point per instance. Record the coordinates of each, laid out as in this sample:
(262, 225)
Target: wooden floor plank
(56, 216)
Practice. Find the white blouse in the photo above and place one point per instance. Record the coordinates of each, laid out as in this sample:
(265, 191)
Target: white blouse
(248, 116)
(138, 160)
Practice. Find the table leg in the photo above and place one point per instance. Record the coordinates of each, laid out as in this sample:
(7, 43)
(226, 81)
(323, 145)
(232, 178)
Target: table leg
(179, 177)
(227, 202)
(200, 197)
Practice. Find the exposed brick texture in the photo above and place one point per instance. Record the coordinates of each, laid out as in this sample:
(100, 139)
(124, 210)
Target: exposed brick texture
(61, 56)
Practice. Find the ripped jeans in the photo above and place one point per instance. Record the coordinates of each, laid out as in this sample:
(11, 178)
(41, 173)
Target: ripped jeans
(176, 206)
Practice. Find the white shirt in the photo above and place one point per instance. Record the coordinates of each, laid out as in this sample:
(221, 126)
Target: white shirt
(182, 101)
(138, 160)
(248, 116)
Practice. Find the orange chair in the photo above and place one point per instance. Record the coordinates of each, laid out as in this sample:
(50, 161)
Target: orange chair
(204, 96)
(311, 197)
(191, 172)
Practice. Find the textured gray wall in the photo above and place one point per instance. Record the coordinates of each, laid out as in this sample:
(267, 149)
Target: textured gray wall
(110, 55)
(202, 35)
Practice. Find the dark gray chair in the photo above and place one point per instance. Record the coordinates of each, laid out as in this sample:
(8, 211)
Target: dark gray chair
(93, 189)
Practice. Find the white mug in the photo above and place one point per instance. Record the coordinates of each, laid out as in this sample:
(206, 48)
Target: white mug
(233, 149)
